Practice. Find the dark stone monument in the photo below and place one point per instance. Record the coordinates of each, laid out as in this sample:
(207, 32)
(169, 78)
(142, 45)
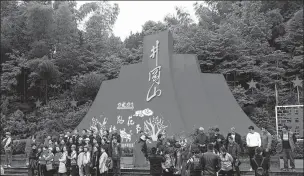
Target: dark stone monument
(165, 93)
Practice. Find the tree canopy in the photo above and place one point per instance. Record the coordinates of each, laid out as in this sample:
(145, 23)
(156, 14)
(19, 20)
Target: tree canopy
(46, 57)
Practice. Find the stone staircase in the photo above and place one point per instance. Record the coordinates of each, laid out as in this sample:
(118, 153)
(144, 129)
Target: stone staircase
(16, 171)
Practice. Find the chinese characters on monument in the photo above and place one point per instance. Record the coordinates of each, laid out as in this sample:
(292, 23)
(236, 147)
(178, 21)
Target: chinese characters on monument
(154, 75)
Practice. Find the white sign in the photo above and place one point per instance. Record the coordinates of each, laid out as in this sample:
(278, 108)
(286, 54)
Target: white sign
(124, 105)
(154, 75)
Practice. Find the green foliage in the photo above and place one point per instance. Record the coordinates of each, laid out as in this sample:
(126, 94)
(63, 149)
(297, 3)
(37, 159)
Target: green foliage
(18, 148)
(298, 153)
(45, 54)
(88, 85)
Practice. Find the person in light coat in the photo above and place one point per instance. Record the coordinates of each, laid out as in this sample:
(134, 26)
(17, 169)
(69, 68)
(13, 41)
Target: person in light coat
(62, 162)
(80, 161)
(102, 162)
(73, 159)
(253, 140)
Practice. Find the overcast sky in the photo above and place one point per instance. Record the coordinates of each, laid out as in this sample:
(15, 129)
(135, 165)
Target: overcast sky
(133, 14)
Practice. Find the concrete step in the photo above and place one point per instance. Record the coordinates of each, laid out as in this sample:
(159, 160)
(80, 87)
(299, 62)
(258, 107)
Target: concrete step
(22, 171)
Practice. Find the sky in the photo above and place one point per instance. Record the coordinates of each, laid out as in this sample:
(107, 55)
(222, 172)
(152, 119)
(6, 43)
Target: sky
(133, 14)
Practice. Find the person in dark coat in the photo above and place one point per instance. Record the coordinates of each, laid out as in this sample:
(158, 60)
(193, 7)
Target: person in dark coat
(211, 162)
(33, 160)
(105, 145)
(116, 135)
(84, 134)
(234, 150)
(218, 140)
(67, 136)
(90, 136)
(258, 160)
(97, 137)
(75, 136)
(155, 163)
(201, 140)
(160, 143)
(61, 137)
(95, 160)
(115, 154)
(236, 138)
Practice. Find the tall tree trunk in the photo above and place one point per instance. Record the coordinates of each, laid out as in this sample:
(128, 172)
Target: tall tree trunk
(24, 86)
(46, 91)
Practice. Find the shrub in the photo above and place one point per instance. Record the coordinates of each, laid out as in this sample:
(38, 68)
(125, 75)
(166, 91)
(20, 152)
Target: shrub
(127, 152)
(298, 154)
(18, 148)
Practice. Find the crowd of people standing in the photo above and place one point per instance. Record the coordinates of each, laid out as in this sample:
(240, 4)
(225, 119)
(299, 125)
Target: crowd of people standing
(215, 154)
(88, 153)
(95, 153)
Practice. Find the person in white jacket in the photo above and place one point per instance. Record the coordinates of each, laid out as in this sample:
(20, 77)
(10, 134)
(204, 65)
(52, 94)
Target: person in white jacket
(253, 140)
(80, 161)
(102, 162)
(62, 161)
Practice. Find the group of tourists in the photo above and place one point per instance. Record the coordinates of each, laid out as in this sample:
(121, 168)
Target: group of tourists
(85, 154)
(215, 154)
(95, 153)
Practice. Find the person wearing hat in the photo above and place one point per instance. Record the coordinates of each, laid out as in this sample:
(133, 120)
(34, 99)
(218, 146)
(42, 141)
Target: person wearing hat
(201, 140)
(7, 143)
(88, 144)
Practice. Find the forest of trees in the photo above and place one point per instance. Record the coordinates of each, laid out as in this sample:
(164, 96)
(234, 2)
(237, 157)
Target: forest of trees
(45, 57)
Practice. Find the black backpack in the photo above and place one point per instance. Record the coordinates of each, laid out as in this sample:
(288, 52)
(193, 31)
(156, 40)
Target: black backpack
(196, 164)
(260, 171)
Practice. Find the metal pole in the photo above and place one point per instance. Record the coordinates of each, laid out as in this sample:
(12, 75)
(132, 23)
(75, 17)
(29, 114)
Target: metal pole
(277, 122)
(298, 95)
